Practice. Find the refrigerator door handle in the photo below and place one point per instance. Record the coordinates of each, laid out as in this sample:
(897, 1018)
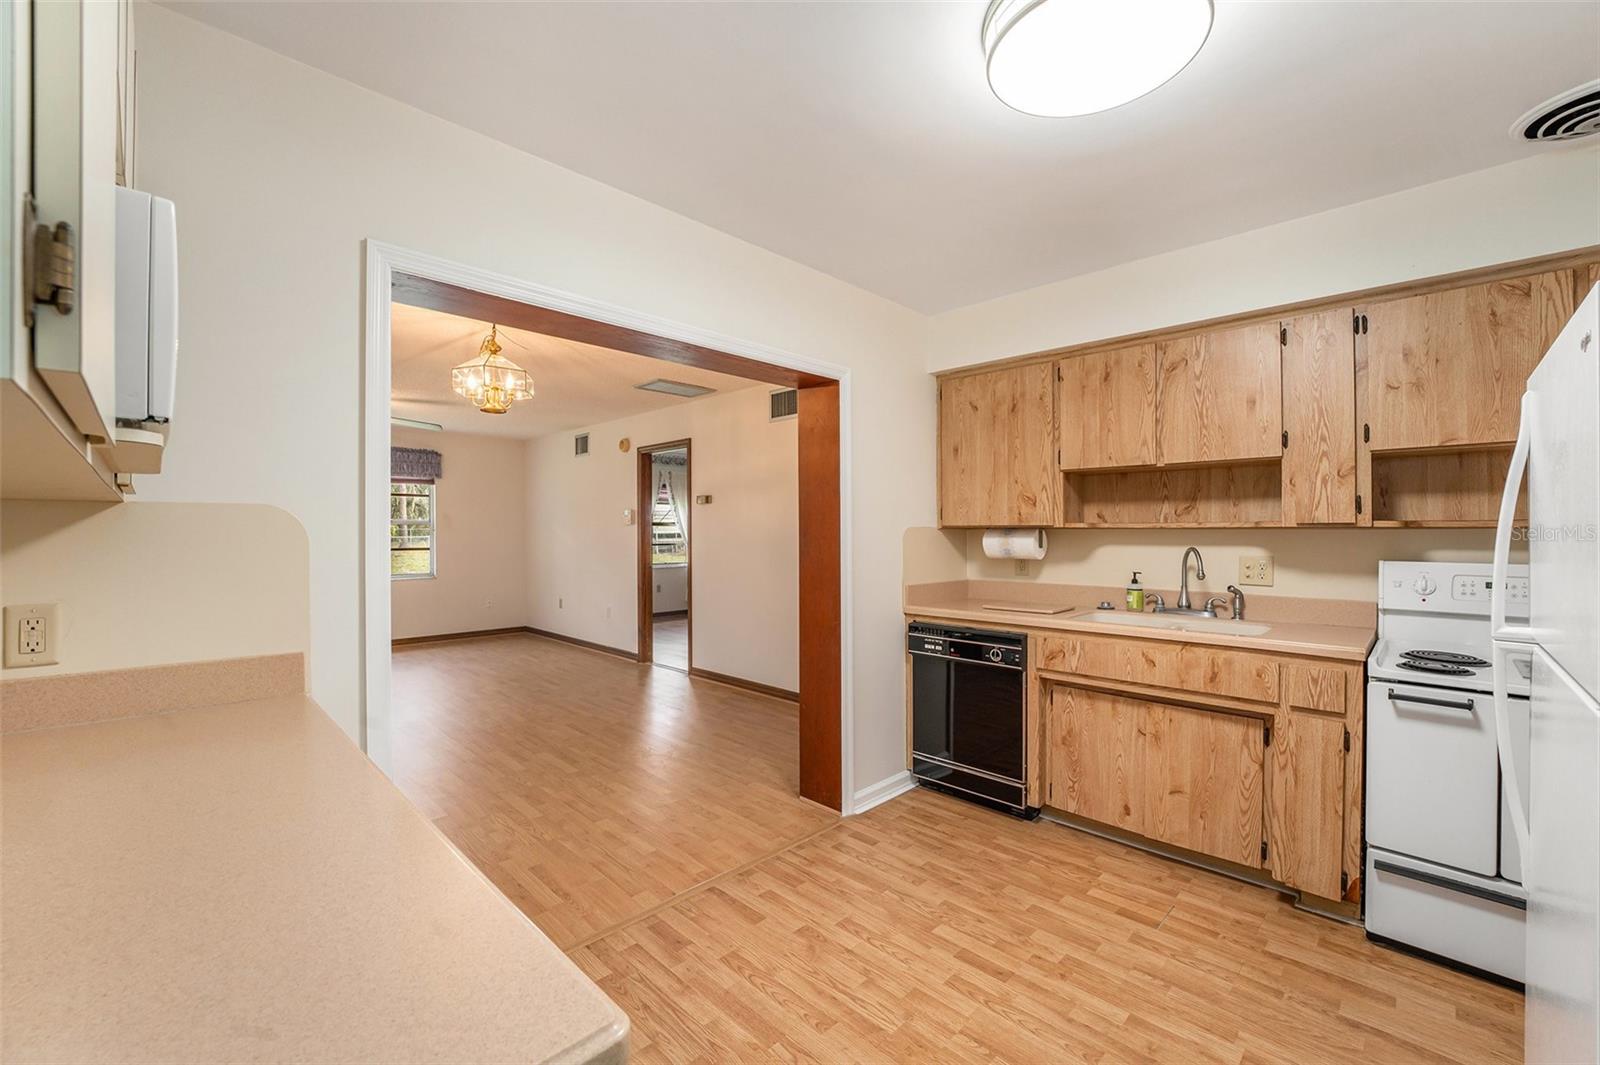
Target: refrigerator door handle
(1502, 534)
(1510, 775)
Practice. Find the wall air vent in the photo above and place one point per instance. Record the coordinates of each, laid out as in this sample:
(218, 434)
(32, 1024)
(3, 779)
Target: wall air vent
(675, 388)
(785, 404)
(580, 444)
(1567, 117)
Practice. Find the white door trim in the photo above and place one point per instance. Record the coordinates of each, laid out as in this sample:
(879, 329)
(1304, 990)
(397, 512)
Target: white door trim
(382, 262)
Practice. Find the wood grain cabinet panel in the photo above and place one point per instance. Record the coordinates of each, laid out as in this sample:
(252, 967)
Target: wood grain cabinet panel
(1319, 688)
(1108, 408)
(1094, 756)
(997, 435)
(1219, 396)
(1319, 419)
(1306, 806)
(1203, 781)
(1447, 369)
(1190, 667)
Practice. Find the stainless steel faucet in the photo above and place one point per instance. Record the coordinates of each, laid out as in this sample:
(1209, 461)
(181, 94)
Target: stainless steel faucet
(1183, 580)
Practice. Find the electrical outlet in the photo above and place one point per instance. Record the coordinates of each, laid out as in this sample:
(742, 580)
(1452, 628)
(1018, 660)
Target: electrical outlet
(1022, 567)
(1256, 569)
(33, 635)
(561, 604)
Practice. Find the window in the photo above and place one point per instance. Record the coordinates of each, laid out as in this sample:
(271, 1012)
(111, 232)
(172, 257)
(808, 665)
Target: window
(668, 544)
(411, 529)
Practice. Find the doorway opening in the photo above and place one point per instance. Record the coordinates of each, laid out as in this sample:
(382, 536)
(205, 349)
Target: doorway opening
(666, 557)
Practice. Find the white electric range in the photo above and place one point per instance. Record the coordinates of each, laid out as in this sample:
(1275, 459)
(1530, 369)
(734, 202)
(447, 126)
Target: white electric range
(1443, 870)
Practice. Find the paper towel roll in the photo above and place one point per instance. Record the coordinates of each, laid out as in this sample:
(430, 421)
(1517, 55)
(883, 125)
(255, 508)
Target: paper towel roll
(1014, 543)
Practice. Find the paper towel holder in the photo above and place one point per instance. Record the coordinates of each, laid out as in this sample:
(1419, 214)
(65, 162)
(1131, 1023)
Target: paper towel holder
(1015, 543)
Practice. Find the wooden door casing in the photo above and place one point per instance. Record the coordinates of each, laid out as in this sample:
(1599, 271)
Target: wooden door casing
(1107, 408)
(997, 435)
(1319, 419)
(1219, 396)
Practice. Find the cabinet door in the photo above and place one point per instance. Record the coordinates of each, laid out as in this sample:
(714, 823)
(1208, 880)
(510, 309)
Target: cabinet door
(1305, 815)
(1202, 781)
(996, 448)
(1219, 396)
(1094, 755)
(1108, 408)
(1319, 418)
(1448, 369)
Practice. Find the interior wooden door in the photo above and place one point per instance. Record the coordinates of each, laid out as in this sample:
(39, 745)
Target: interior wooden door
(1220, 396)
(1448, 369)
(1306, 811)
(996, 448)
(1094, 756)
(1319, 419)
(1203, 781)
(1108, 408)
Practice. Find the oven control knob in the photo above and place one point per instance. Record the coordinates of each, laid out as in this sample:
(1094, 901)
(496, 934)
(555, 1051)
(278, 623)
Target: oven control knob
(994, 654)
(1424, 585)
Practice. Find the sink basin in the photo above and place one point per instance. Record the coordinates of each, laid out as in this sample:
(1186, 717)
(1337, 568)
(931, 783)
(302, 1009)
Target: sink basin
(1183, 623)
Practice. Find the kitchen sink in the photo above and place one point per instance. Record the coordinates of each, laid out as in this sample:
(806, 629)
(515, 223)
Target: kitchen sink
(1181, 622)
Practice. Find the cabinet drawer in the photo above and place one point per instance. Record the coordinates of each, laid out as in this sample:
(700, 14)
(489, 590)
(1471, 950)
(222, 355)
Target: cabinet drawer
(1183, 666)
(1320, 688)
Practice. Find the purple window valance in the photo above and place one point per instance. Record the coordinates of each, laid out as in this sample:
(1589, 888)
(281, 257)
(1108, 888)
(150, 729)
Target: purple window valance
(414, 464)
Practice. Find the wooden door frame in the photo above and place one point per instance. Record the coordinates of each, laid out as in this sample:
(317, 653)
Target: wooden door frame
(646, 600)
(827, 707)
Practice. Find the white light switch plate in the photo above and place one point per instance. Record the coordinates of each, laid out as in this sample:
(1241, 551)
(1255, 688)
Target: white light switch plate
(32, 635)
(1256, 569)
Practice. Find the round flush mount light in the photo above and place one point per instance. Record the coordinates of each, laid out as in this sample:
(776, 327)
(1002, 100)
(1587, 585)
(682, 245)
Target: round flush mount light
(1058, 58)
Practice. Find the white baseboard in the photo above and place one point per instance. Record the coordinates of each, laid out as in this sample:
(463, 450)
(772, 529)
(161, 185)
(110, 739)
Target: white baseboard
(882, 791)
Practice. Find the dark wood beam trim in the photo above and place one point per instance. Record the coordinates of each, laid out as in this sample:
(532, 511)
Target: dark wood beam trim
(452, 299)
(820, 605)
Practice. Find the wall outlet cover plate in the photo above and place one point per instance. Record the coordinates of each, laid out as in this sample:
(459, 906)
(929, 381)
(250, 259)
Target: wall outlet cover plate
(1256, 570)
(32, 635)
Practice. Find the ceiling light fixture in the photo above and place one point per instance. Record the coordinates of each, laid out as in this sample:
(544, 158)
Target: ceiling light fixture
(675, 388)
(1059, 58)
(490, 381)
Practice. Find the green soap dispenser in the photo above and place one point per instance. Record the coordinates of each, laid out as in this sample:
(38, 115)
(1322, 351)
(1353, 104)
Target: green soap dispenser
(1135, 594)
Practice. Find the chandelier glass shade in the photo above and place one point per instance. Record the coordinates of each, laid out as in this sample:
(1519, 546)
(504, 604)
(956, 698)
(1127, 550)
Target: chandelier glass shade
(490, 381)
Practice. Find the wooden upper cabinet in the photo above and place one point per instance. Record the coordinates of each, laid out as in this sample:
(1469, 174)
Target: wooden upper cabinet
(1319, 419)
(997, 463)
(1448, 369)
(1219, 396)
(1108, 408)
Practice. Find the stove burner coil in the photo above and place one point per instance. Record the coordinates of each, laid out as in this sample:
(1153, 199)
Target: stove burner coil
(1425, 666)
(1450, 658)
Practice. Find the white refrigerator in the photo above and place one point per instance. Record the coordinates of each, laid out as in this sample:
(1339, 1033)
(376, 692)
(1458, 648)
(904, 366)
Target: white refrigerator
(1558, 827)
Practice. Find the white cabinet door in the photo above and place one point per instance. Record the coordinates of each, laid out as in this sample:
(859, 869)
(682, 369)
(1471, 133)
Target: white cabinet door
(1562, 873)
(75, 104)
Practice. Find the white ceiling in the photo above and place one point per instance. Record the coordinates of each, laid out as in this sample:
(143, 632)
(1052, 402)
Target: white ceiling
(860, 138)
(574, 384)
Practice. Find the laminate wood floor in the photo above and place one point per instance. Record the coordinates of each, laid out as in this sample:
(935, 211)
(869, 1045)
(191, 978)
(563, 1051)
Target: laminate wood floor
(648, 822)
(669, 642)
(931, 930)
(589, 788)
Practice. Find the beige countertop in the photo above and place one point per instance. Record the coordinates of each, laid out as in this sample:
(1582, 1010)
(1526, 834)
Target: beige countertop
(240, 884)
(955, 602)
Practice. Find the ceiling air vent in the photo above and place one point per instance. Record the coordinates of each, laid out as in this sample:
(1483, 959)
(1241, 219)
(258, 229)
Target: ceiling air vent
(675, 388)
(1569, 116)
(785, 404)
(580, 444)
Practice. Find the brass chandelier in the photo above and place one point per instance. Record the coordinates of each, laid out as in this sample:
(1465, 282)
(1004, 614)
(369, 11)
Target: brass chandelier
(490, 381)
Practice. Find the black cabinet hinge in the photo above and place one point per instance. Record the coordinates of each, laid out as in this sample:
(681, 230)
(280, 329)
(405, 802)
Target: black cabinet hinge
(1286, 438)
(1363, 325)
(1347, 739)
(1355, 324)
(1344, 882)
(1366, 432)
(1283, 336)
(1266, 736)
(1358, 504)
(1263, 850)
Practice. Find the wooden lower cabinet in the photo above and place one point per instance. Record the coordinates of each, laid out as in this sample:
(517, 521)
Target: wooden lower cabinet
(1187, 777)
(1305, 807)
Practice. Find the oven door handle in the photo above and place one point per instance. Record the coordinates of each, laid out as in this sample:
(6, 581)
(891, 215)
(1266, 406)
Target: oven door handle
(1449, 704)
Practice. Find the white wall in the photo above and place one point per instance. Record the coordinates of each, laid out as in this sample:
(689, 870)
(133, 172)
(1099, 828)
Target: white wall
(744, 544)
(280, 171)
(671, 593)
(1545, 204)
(147, 584)
(481, 515)
(1311, 563)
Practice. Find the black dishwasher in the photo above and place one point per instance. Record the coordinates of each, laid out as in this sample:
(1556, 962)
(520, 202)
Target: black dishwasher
(968, 711)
